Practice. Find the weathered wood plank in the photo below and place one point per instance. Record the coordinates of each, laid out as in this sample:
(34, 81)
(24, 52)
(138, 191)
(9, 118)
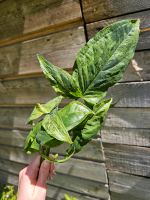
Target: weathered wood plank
(144, 17)
(95, 10)
(128, 118)
(30, 16)
(14, 138)
(53, 193)
(130, 94)
(74, 167)
(92, 151)
(38, 90)
(139, 70)
(59, 48)
(114, 135)
(117, 117)
(129, 136)
(26, 91)
(15, 117)
(92, 188)
(129, 159)
(124, 186)
(145, 24)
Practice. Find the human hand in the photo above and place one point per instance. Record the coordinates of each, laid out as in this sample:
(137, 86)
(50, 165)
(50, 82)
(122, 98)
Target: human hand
(32, 180)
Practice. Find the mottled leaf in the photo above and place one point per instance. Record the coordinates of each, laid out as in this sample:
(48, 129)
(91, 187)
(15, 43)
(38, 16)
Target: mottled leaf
(54, 126)
(102, 61)
(62, 82)
(91, 128)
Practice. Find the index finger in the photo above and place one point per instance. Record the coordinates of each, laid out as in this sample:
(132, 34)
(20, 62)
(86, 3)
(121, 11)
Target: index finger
(33, 168)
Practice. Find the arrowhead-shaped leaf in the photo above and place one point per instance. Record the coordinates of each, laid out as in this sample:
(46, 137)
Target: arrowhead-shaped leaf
(92, 126)
(54, 126)
(61, 81)
(74, 114)
(41, 109)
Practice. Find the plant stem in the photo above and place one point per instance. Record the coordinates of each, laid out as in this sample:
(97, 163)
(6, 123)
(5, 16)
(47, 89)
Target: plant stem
(45, 151)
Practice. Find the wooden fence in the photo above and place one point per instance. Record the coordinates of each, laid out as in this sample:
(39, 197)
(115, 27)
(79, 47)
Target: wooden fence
(115, 165)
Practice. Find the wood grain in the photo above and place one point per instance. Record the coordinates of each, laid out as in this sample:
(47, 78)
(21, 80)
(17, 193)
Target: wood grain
(30, 16)
(125, 186)
(128, 136)
(59, 48)
(144, 17)
(26, 91)
(128, 118)
(130, 159)
(74, 167)
(141, 71)
(133, 94)
(117, 117)
(29, 91)
(93, 151)
(95, 10)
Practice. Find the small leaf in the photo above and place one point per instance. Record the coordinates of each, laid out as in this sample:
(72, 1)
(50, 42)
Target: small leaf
(61, 81)
(74, 114)
(41, 109)
(91, 100)
(91, 128)
(102, 61)
(28, 146)
(94, 124)
(55, 128)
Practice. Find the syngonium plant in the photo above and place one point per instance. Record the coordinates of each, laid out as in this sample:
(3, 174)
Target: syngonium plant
(99, 64)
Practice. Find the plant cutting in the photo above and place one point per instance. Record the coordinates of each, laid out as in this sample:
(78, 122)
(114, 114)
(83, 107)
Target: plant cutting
(99, 65)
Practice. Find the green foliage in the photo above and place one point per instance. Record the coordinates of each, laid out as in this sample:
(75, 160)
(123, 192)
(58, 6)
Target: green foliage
(41, 109)
(99, 65)
(8, 193)
(68, 197)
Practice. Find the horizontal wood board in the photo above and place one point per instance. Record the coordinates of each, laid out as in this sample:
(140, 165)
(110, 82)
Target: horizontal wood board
(12, 140)
(144, 17)
(28, 17)
(29, 91)
(95, 10)
(125, 186)
(59, 48)
(130, 159)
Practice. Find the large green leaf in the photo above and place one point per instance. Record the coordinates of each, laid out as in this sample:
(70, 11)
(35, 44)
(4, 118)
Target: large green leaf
(91, 128)
(55, 128)
(62, 81)
(74, 114)
(102, 61)
(41, 109)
